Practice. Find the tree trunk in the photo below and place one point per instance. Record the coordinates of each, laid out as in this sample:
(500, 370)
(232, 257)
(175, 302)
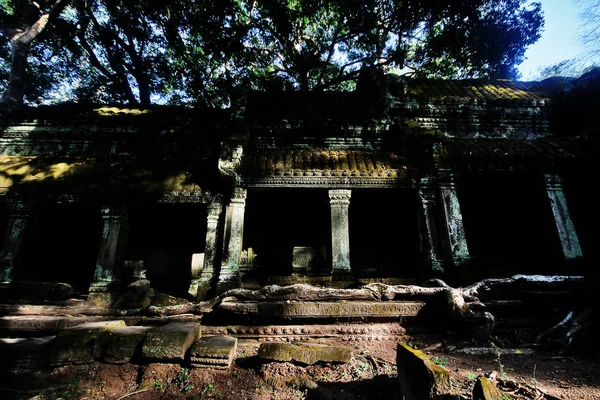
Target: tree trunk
(12, 98)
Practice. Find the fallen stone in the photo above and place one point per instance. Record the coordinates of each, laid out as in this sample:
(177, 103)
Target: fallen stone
(306, 353)
(316, 309)
(419, 377)
(485, 389)
(213, 352)
(171, 341)
(118, 345)
(75, 345)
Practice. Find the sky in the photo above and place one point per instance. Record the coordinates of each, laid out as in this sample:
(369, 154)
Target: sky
(559, 38)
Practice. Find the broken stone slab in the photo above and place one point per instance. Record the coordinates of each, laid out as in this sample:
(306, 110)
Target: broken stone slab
(419, 377)
(42, 323)
(306, 353)
(75, 345)
(118, 345)
(485, 389)
(315, 309)
(213, 352)
(170, 342)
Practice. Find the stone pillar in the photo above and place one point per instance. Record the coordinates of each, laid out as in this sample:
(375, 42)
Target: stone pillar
(457, 241)
(20, 219)
(229, 276)
(562, 217)
(204, 281)
(430, 226)
(107, 278)
(340, 237)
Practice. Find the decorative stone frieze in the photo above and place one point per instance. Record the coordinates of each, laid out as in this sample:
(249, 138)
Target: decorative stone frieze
(340, 237)
(21, 217)
(107, 276)
(569, 240)
(457, 241)
(234, 237)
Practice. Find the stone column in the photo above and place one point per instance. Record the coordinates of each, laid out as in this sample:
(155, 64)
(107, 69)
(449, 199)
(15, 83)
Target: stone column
(340, 237)
(204, 281)
(452, 215)
(229, 276)
(20, 219)
(562, 217)
(430, 229)
(107, 278)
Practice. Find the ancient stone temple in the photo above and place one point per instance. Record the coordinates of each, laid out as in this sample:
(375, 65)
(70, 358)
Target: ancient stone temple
(420, 178)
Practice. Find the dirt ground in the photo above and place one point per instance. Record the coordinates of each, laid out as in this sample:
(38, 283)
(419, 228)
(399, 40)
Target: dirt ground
(370, 375)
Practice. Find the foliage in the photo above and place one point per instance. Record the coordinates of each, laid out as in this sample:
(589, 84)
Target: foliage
(208, 52)
(442, 362)
(590, 33)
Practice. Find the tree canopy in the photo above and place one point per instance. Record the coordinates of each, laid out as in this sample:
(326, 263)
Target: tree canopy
(203, 52)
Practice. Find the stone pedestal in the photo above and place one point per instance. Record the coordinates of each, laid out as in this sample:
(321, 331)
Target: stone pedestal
(107, 277)
(21, 217)
(562, 217)
(207, 276)
(340, 238)
(234, 236)
(453, 221)
(429, 222)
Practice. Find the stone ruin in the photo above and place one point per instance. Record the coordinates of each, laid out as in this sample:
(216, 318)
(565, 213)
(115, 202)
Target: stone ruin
(293, 216)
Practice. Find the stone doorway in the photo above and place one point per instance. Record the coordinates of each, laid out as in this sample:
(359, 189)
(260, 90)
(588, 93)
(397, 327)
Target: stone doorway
(62, 246)
(508, 222)
(384, 235)
(165, 237)
(278, 220)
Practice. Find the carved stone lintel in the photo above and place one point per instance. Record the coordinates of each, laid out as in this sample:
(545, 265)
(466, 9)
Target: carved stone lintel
(112, 249)
(340, 238)
(562, 217)
(20, 218)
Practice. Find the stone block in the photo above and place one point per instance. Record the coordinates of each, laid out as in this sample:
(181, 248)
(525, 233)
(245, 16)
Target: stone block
(118, 345)
(322, 309)
(306, 353)
(171, 341)
(213, 352)
(75, 345)
(419, 377)
(485, 389)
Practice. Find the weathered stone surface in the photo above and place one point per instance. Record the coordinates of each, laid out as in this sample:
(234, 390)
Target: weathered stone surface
(118, 345)
(313, 309)
(171, 341)
(23, 290)
(165, 300)
(419, 377)
(485, 389)
(306, 353)
(75, 345)
(213, 352)
(139, 295)
(41, 323)
(357, 331)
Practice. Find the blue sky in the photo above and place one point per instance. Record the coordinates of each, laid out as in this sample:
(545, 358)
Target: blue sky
(559, 39)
